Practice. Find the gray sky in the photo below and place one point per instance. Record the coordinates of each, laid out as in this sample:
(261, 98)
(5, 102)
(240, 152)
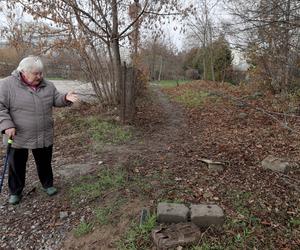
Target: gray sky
(172, 30)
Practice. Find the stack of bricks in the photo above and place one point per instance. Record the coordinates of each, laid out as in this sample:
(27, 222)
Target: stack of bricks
(202, 215)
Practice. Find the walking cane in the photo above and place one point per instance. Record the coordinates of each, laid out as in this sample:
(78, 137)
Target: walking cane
(9, 142)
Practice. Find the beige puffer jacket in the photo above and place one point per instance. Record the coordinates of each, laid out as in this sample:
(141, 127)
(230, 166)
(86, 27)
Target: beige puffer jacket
(29, 111)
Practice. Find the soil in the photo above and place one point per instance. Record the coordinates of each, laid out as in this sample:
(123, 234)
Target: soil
(165, 155)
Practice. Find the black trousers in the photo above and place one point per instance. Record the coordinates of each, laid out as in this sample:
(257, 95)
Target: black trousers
(17, 168)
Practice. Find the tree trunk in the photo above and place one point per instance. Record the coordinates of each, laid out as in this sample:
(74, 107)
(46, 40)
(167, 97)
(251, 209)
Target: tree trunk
(153, 60)
(211, 54)
(116, 49)
(160, 68)
(287, 45)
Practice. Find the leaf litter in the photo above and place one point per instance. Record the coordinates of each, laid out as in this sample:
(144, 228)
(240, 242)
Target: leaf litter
(163, 162)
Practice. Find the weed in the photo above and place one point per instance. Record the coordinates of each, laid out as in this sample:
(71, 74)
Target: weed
(244, 232)
(295, 222)
(141, 184)
(82, 229)
(93, 186)
(106, 132)
(138, 236)
(242, 236)
(89, 190)
(240, 199)
(242, 229)
(102, 214)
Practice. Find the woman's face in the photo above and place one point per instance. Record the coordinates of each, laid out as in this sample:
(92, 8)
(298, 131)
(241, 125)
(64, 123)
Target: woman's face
(33, 77)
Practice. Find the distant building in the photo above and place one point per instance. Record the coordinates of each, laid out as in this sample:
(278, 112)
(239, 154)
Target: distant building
(239, 62)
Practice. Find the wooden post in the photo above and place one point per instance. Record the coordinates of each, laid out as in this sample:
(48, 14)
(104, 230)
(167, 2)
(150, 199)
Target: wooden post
(123, 96)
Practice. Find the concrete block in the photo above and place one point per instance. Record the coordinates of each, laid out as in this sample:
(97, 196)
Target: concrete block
(172, 213)
(207, 215)
(175, 236)
(275, 164)
(214, 165)
(218, 167)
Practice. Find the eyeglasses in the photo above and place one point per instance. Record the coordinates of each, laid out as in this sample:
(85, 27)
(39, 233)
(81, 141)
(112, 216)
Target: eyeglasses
(37, 73)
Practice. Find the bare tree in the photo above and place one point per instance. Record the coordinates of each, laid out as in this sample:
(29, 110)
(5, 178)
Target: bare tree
(202, 30)
(270, 31)
(23, 36)
(95, 29)
(134, 37)
(161, 59)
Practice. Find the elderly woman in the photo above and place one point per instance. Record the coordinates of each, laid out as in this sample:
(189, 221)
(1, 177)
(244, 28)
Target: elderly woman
(26, 101)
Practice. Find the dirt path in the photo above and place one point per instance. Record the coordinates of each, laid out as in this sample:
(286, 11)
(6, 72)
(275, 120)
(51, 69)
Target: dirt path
(171, 126)
(145, 159)
(175, 118)
(40, 222)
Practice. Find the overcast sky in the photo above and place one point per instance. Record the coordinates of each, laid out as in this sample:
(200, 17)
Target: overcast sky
(172, 30)
(219, 14)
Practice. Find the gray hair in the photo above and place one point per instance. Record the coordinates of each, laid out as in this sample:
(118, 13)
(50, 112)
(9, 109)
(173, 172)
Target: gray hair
(30, 64)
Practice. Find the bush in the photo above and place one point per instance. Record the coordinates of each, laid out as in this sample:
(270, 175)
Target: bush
(8, 61)
(192, 74)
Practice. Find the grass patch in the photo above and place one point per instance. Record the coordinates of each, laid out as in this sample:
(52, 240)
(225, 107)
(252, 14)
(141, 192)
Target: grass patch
(171, 83)
(103, 214)
(240, 232)
(82, 229)
(240, 199)
(138, 236)
(91, 187)
(106, 132)
(191, 98)
(295, 222)
(142, 184)
(244, 232)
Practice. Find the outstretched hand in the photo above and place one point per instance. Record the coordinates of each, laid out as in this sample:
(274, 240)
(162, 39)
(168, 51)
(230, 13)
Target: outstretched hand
(72, 97)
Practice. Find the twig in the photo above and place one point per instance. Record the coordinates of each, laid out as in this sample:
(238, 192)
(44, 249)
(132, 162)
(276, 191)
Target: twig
(297, 188)
(30, 191)
(203, 234)
(288, 177)
(283, 114)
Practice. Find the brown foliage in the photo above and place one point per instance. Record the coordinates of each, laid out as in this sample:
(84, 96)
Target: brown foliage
(9, 60)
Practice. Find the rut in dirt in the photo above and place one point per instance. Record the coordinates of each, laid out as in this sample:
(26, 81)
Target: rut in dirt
(174, 125)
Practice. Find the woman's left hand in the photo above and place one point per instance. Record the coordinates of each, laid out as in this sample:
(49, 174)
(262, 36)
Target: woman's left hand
(72, 97)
